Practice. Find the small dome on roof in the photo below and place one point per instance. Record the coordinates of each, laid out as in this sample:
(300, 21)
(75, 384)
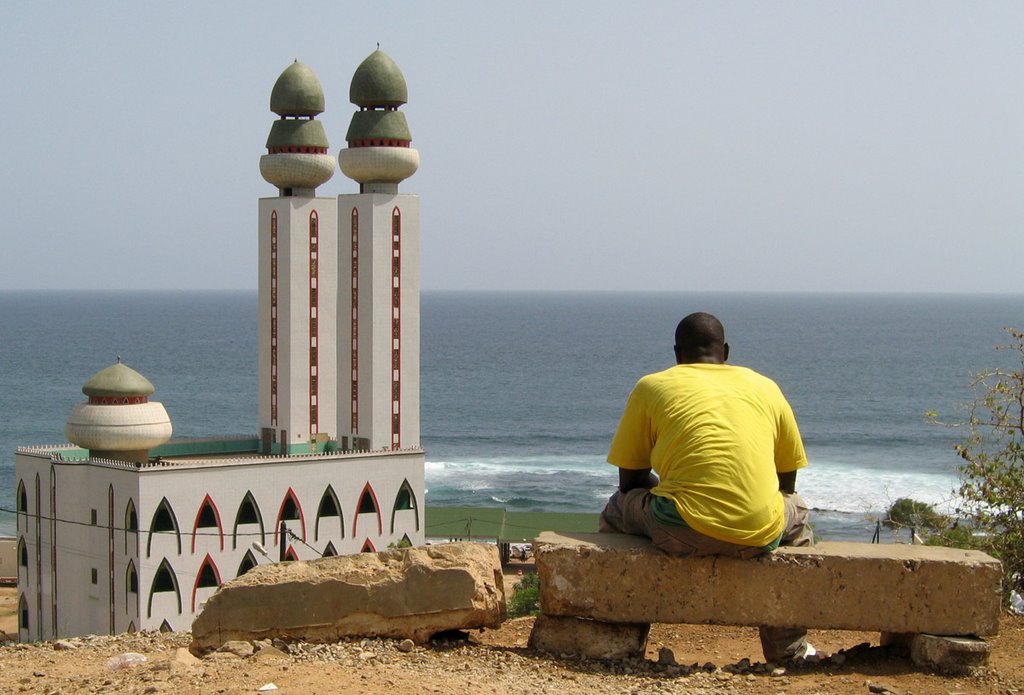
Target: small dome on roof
(297, 92)
(118, 380)
(378, 82)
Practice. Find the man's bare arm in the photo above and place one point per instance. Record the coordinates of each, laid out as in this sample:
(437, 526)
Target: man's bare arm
(632, 479)
(787, 482)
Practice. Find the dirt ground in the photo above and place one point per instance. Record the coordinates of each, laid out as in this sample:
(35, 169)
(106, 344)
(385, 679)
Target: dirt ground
(492, 661)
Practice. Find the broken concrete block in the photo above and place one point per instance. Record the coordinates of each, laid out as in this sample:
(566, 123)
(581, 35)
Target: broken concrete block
(961, 656)
(617, 578)
(407, 593)
(592, 639)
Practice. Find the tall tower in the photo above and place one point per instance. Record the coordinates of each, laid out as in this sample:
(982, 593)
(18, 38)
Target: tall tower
(298, 274)
(379, 277)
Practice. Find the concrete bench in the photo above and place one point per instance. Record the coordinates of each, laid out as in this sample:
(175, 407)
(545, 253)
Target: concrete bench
(599, 593)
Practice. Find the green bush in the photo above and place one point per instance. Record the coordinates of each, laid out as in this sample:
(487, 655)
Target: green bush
(525, 597)
(906, 512)
(992, 466)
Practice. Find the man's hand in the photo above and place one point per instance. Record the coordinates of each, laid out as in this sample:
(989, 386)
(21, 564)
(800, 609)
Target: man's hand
(630, 479)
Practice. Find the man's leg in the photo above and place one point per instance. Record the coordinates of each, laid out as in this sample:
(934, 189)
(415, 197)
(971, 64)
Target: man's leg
(631, 513)
(781, 643)
(627, 512)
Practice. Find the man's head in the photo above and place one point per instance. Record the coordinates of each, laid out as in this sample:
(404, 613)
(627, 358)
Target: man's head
(700, 337)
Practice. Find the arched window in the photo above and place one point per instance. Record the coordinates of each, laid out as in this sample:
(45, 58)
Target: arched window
(23, 613)
(248, 514)
(207, 518)
(207, 574)
(248, 562)
(22, 498)
(330, 550)
(367, 505)
(131, 582)
(163, 522)
(165, 627)
(131, 527)
(329, 508)
(368, 547)
(405, 501)
(132, 578)
(22, 553)
(164, 581)
(290, 510)
(290, 554)
(208, 577)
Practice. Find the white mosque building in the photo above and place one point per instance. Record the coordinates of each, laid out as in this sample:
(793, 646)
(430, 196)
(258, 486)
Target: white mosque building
(127, 529)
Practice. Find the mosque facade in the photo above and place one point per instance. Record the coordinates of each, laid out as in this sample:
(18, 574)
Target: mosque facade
(126, 528)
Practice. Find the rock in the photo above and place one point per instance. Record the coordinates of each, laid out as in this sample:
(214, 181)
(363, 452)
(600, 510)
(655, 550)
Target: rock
(407, 593)
(126, 660)
(270, 652)
(62, 645)
(962, 656)
(666, 657)
(406, 646)
(184, 657)
(240, 648)
(588, 638)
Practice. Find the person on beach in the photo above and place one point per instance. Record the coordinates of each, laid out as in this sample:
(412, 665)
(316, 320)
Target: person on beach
(707, 456)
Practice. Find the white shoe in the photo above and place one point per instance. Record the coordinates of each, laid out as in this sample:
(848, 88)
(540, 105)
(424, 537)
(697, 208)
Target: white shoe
(807, 651)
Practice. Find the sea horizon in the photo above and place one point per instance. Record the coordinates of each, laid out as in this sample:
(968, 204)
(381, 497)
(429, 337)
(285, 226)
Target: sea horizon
(521, 391)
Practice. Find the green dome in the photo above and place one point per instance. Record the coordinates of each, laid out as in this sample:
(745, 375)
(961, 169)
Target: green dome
(118, 380)
(297, 92)
(371, 125)
(299, 133)
(378, 82)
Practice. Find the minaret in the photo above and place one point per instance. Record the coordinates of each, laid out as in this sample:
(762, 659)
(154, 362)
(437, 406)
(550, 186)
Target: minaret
(118, 422)
(379, 277)
(298, 274)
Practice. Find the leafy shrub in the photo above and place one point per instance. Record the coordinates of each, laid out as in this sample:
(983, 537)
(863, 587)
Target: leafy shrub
(906, 512)
(525, 597)
(992, 466)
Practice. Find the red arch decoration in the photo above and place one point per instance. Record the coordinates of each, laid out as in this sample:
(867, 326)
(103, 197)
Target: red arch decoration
(207, 562)
(367, 490)
(280, 510)
(216, 514)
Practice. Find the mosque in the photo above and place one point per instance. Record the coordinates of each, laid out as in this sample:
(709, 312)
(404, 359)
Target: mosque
(128, 529)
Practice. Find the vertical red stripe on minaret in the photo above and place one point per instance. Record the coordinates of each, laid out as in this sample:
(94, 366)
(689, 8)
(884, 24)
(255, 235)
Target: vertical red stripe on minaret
(314, 240)
(355, 322)
(396, 328)
(273, 317)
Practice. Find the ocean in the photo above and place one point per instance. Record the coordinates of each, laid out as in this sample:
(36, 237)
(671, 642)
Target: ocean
(521, 392)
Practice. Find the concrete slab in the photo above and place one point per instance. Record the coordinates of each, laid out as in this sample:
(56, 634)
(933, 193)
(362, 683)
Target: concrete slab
(848, 586)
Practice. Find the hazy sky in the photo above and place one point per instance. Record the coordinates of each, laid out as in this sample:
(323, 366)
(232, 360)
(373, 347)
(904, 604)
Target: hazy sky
(859, 146)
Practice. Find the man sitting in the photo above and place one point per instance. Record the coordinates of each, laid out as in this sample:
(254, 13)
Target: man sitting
(725, 446)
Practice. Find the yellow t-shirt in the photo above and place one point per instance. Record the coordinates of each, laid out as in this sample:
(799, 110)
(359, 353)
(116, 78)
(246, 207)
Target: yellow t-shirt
(716, 435)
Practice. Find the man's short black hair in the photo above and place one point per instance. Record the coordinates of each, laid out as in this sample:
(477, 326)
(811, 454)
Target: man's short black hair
(699, 334)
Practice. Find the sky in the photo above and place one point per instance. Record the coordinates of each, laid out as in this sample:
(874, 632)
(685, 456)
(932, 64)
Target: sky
(649, 146)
